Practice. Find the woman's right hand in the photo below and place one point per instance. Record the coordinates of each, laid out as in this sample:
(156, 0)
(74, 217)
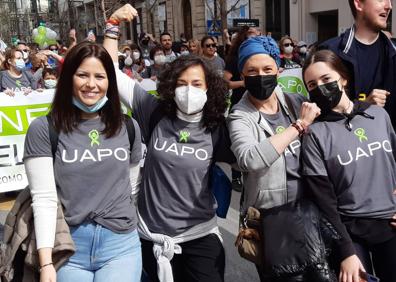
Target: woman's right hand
(48, 274)
(308, 113)
(350, 269)
(126, 13)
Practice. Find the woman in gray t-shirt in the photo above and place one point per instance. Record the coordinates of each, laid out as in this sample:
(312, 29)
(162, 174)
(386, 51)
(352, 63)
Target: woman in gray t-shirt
(184, 131)
(14, 78)
(93, 172)
(349, 166)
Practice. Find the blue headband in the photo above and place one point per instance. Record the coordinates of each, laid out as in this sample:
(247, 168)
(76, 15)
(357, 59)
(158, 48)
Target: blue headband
(258, 45)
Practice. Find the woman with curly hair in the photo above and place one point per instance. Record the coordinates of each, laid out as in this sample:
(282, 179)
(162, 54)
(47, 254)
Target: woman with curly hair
(185, 133)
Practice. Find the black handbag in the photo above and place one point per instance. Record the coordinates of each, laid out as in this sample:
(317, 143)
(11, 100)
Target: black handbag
(296, 241)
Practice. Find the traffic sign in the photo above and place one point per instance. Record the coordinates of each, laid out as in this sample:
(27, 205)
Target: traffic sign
(214, 27)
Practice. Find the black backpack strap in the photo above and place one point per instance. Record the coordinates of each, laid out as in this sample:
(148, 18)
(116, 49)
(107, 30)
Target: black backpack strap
(131, 131)
(290, 107)
(155, 118)
(53, 136)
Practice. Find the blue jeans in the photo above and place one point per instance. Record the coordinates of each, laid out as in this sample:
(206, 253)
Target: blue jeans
(102, 255)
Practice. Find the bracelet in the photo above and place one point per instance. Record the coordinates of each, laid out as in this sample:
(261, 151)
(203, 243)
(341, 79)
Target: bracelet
(111, 37)
(47, 264)
(299, 128)
(113, 22)
(302, 124)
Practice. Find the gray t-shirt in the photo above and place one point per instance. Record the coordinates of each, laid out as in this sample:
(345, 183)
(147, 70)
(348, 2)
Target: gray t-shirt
(279, 122)
(360, 163)
(174, 194)
(15, 84)
(217, 64)
(91, 172)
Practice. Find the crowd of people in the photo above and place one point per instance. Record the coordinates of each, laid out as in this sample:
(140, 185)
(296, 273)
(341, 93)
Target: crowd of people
(157, 221)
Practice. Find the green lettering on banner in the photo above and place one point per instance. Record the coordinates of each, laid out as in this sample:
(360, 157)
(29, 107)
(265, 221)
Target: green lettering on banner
(15, 120)
(292, 85)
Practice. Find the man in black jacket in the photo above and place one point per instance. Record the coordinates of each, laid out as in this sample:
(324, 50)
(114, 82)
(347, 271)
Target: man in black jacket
(369, 54)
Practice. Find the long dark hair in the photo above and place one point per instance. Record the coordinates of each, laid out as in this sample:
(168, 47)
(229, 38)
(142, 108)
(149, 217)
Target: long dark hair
(332, 60)
(216, 105)
(242, 35)
(64, 114)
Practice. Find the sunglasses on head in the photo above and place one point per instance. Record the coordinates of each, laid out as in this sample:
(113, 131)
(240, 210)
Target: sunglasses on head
(211, 45)
(288, 44)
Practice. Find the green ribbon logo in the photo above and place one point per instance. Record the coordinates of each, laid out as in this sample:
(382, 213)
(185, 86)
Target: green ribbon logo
(94, 136)
(280, 129)
(18, 83)
(361, 134)
(183, 136)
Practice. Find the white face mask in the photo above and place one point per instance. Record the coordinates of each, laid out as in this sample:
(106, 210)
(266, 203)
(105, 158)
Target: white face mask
(135, 56)
(159, 59)
(288, 50)
(128, 61)
(303, 50)
(184, 53)
(189, 99)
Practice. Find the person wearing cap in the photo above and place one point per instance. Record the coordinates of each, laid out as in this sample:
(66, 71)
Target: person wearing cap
(265, 129)
(302, 52)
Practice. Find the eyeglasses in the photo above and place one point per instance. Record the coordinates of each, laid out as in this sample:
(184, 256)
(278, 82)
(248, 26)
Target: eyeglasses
(25, 50)
(288, 44)
(53, 49)
(211, 45)
(302, 46)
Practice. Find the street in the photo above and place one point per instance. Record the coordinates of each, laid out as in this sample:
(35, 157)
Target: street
(237, 269)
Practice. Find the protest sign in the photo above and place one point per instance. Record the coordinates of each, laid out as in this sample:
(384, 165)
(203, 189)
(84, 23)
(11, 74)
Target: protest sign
(16, 114)
(291, 81)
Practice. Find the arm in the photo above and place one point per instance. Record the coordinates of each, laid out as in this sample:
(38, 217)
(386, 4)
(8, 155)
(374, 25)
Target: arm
(233, 84)
(250, 154)
(44, 203)
(125, 84)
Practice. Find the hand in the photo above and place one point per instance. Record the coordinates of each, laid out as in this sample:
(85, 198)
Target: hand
(72, 34)
(126, 13)
(225, 33)
(281, 70)
(48, 274)
(350, 269)
(47, 53)
(308, 113)
(153, 78)
(9, 92)
(40, 90)
(151, 37)
(27, 91)
(377, 97)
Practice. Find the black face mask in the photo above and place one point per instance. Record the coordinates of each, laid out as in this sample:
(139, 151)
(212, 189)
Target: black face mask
(326, 96)
(145, 41)
(261, 87)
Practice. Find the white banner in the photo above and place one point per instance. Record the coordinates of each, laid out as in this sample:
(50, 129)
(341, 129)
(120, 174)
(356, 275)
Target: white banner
(16, 114)
(291, 81)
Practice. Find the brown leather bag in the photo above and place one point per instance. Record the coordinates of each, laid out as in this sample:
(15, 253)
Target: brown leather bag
(248, 240)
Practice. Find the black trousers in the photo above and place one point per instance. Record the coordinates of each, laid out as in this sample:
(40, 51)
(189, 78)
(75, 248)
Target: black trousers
(201, 260)
(383, 258)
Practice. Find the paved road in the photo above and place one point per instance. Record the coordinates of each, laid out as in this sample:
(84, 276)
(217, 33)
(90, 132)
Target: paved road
(237, 269)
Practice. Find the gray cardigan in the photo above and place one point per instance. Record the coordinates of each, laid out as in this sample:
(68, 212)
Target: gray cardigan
(264, 170)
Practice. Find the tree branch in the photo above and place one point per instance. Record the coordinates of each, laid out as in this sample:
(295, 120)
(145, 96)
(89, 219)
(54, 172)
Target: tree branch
(233, 7)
